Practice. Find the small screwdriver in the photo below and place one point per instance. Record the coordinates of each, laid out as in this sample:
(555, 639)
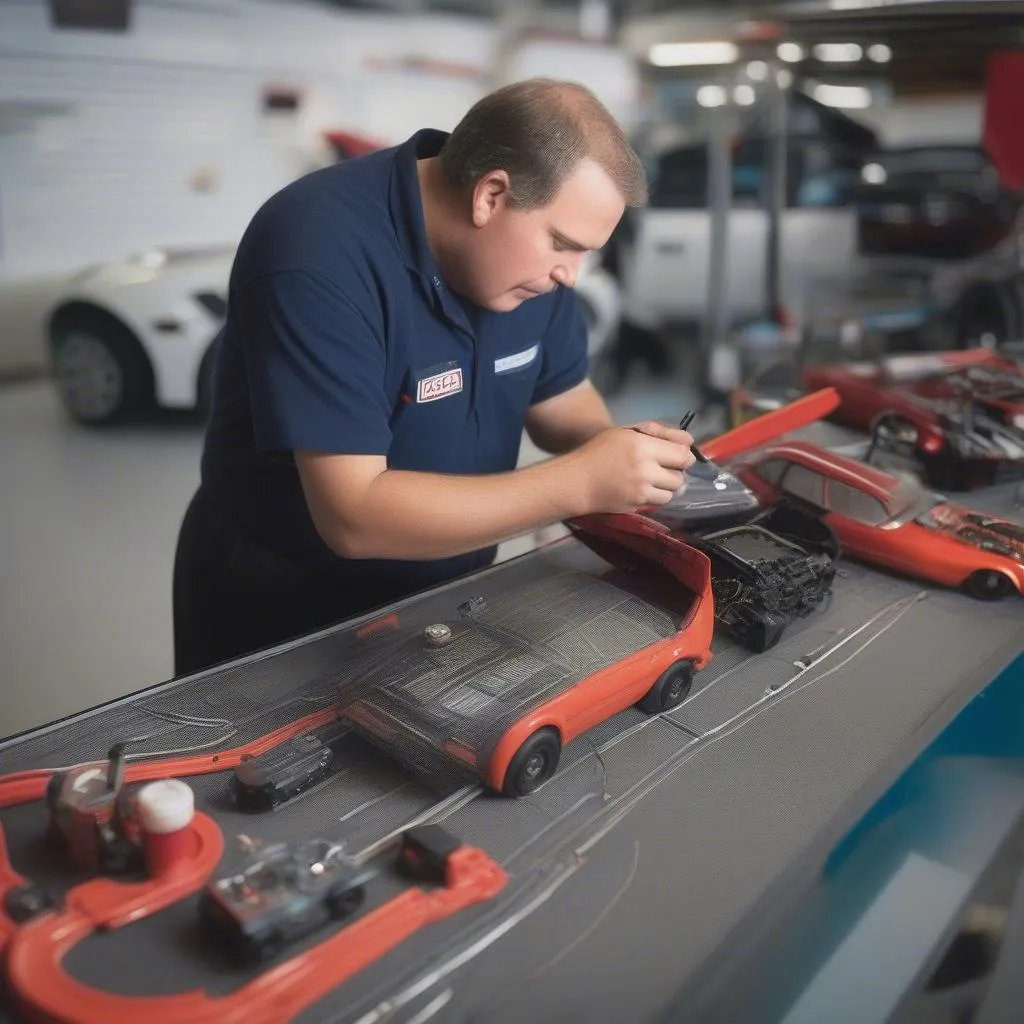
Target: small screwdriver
(684, 424)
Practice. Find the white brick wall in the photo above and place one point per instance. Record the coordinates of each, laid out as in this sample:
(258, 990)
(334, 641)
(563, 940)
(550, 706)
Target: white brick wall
(103, 137)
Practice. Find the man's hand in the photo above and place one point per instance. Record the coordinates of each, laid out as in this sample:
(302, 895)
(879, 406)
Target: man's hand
(625, 468)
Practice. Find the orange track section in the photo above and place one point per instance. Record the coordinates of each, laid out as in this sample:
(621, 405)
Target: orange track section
(20, 787)
(46, 994)
(9, 879)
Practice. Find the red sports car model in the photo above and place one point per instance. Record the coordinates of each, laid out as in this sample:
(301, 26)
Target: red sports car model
(891, 521)
(961, 414)
(497, 688)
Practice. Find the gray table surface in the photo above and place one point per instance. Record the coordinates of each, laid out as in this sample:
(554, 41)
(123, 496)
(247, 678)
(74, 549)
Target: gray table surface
(634, 865)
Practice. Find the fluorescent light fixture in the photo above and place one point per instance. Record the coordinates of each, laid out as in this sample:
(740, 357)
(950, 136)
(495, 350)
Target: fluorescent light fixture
(712, 96)
(880, 53)
(674, 55)
(744, 95)
(757, 71)
(838, 53)
(850, 97)
(874, 174)
(790, 52)
(854, 5)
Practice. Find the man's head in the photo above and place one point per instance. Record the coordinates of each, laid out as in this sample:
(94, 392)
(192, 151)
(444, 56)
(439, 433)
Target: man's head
(539, 173)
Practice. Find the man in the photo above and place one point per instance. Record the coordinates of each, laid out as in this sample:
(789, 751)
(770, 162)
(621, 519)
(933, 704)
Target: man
(393, 323)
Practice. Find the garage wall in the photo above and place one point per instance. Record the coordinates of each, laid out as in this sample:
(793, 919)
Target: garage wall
(109, 142)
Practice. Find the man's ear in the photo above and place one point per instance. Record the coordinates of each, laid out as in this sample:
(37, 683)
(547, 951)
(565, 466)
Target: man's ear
(490, 195)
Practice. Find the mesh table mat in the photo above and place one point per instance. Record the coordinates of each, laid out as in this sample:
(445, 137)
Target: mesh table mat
(628, 869)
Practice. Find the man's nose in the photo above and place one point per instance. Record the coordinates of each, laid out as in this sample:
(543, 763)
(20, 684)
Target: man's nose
(566, 272)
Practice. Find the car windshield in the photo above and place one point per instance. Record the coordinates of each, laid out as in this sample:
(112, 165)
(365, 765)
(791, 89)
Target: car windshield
(909, 499)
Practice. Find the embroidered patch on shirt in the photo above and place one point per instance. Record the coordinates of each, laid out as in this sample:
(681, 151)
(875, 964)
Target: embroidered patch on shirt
(516, 361)
(440, 385)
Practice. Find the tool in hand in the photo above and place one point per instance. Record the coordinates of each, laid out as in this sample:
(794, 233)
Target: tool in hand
(684, 423)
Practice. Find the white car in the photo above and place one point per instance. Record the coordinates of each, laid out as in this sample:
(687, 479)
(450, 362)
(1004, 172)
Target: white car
(127, 336)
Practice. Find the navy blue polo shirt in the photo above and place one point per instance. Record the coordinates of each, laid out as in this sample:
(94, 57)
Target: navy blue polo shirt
(342, 337)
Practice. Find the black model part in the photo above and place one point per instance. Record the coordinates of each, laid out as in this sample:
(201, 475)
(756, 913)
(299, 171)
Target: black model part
(424, 852)
(281, 774)
(281, 894)
(763, 580)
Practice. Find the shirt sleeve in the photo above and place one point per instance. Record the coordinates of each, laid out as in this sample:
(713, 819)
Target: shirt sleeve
(316, 367)
(564, 349)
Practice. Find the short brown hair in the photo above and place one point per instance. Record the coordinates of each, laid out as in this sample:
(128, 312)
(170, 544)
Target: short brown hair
(537, 131)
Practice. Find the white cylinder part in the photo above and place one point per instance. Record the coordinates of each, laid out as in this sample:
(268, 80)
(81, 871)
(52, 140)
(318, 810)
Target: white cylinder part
(165, 806)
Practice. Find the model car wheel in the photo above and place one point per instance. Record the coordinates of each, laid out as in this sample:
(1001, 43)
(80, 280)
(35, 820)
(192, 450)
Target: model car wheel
(534, 763)
(893, 433)
(671, 688)
(345, 902)
(989, 585)
(101, 372)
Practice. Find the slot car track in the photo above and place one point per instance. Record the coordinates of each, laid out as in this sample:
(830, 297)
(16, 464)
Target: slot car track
(586, 832)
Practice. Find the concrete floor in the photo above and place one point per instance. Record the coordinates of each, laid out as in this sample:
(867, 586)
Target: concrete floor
(88, 524)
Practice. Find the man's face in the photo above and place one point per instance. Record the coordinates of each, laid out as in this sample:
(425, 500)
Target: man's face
(517, 254)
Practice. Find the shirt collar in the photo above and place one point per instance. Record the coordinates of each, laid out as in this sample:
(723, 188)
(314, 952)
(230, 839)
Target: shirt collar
(407, 204)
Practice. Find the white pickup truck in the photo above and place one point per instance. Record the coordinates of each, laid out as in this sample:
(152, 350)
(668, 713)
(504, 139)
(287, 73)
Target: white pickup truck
(662, 254)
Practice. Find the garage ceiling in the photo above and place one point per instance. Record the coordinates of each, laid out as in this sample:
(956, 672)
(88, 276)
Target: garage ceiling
(939, 46)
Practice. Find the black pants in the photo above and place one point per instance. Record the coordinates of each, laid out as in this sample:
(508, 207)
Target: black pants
(233, 596)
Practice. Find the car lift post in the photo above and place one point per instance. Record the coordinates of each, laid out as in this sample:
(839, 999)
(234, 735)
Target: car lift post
(716, 318)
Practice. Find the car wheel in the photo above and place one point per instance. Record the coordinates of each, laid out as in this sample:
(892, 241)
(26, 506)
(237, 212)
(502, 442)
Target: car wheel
(345, 902)
(101, 372)
(204, 383)
(989, 585)
(534, 763)
(671, 688)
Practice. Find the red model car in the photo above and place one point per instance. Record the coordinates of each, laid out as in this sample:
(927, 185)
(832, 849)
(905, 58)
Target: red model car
(960, 414)
(891, 521)
(496, 689)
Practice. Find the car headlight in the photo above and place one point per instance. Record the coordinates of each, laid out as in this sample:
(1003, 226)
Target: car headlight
(150, 259)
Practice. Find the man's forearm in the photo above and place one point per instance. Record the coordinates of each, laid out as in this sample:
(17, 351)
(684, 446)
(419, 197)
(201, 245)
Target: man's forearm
(409, 515)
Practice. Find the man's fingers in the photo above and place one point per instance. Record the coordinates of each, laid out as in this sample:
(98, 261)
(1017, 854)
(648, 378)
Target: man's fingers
(666, 480)
(659, 496)
(660, 430)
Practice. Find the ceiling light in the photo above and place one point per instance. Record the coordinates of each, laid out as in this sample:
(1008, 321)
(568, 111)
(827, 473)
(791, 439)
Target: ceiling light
(852, 97)
(838, 53)
(874, 174)
(757, 70)
(880, 53)
(711, 96)
(670, 55)
(790, 52)
(744, 95)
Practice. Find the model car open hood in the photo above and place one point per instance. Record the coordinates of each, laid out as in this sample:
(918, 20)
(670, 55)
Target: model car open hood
(988, 533)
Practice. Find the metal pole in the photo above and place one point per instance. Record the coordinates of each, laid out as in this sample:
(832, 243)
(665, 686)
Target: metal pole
(778, 99)
(716, 314)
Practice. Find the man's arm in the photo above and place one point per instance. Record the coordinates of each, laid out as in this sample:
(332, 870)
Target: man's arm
(362, 509)
(566, 421)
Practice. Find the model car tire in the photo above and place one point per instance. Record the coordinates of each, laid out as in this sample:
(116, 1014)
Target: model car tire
(989, 585)
(534, 763)
(101, 372)
(346, 902)
(671, 689)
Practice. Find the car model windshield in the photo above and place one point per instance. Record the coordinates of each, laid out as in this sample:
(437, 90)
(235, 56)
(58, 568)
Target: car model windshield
(910, 500)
